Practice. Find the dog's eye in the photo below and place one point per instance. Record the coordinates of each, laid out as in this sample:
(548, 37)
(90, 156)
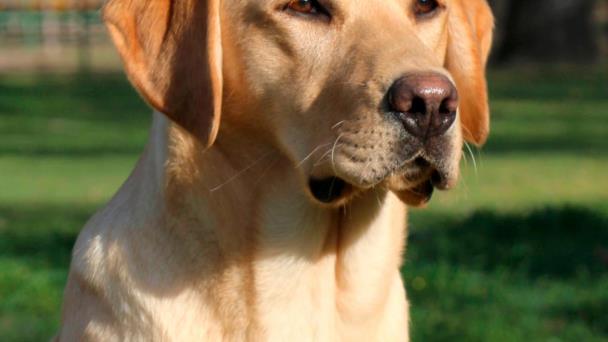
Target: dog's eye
(302, 6)
(306, 7)
(425, 7)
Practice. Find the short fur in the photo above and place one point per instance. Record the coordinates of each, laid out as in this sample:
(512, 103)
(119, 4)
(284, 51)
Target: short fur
(215, 235)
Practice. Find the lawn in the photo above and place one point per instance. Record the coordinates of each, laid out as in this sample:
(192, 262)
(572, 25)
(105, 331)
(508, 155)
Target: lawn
(519, 252)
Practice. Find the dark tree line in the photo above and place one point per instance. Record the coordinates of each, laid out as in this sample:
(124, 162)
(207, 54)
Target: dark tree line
(547, 30)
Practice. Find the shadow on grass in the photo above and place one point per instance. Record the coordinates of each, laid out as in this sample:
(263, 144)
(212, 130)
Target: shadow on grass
(473, 269)
(590, 311)
(510, 277)
(564, 129)
(564, 144)
(35, 248)
(553, 242)
(548, 110)
(41, 235)
(76, 115)
(99, 97)
(83, 151)
(555, 83)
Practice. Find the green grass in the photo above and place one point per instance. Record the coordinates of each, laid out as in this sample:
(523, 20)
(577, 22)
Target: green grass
(519, 252)
(64, 150)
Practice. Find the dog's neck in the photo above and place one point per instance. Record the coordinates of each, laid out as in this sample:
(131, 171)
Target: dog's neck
(247, 204)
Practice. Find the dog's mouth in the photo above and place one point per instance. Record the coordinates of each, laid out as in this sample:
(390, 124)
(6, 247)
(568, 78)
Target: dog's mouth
(417, 189)
(336, 191)
(415, 186)
(331, 190)
(417, 196)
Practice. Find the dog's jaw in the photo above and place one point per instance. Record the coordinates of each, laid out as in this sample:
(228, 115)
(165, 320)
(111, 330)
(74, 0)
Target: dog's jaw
(377, 155)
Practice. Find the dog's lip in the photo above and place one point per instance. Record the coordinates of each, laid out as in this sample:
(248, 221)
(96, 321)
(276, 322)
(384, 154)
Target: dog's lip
(335, 190)
(427, 171)
(418, 195)
(440, 180)
(414, 181)
(329, 190)
(418, 179)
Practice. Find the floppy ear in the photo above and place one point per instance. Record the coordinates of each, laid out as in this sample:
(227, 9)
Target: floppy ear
(470, 29)
(172, 54)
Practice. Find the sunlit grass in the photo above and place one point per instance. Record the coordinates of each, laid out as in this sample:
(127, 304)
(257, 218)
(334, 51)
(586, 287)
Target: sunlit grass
(518, 252)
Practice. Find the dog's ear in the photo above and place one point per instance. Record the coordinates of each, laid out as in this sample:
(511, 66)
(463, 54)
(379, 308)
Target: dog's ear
(172, 54)
(470, 29)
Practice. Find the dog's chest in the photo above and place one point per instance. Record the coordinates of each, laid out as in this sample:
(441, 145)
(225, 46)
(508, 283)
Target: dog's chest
(340, 279)
(312, 277)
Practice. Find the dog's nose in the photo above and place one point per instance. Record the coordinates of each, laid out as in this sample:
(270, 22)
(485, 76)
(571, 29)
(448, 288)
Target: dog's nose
(425, 103)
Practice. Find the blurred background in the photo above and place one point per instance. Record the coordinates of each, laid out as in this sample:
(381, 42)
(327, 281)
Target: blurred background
(519, 252)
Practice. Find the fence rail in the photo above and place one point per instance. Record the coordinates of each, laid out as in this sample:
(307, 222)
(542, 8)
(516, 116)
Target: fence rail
(63, 25)
(52, 34)
(52, 5)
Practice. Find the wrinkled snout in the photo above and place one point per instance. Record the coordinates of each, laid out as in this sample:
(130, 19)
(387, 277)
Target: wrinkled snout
(425, 103)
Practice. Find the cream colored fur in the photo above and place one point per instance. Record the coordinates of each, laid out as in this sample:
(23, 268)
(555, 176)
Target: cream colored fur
(214, 236)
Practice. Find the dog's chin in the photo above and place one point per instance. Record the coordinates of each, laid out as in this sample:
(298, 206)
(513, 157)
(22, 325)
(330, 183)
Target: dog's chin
(418, 191)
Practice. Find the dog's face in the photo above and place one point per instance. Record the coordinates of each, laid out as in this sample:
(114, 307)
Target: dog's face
(357, 93)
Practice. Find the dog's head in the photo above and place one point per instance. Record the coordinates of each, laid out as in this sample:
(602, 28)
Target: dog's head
(356, 93)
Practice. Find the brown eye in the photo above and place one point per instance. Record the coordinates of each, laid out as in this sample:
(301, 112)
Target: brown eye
(303, 6)
(425, 7)
(308, 8)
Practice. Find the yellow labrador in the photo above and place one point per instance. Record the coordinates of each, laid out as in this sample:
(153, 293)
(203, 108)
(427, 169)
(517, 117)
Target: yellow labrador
(269, 204)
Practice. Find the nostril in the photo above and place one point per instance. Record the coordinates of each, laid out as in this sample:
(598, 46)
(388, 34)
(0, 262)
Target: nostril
(448, 107)
(418, 106)
(421, 162)
(436, 177)
(438, 180)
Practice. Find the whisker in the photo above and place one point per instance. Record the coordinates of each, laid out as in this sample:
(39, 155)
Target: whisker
(479, 157)
(466, 130)
(263, 174)
(311, 154)
(338, 124)
(320, 160)
(465, 186)
(465, 157)
(331, 186)
(240, 173)
(377, 197)
(472, 157)
(333, 153)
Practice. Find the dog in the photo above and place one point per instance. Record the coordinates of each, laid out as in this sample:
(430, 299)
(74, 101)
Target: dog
(288, 138)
